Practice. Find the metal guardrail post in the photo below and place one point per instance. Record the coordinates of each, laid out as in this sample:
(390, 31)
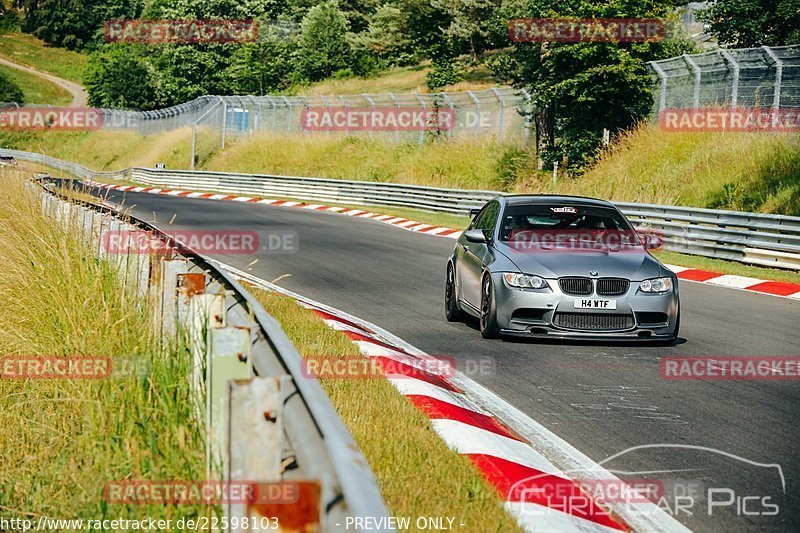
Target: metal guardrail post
(735, 81)
(254, 433)
(697, 78)
(776, 97)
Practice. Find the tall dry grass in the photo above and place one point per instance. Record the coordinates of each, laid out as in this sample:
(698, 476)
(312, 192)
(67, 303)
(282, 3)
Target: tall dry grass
(62, 440)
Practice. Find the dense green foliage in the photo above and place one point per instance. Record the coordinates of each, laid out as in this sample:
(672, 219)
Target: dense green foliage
(579, 89)
(9, 91)
(746, 23)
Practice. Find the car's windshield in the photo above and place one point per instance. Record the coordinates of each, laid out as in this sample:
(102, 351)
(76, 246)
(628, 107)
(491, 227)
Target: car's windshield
(523, 219)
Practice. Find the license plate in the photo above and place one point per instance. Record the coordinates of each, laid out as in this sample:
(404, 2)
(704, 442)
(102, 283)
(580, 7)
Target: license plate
(594, 303)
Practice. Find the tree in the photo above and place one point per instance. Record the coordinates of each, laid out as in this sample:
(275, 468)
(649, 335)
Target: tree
(323, 47)
(77, 24)
(122, 76)
(260, 68)
(388, 35)
(9, 91)
(581, 88)
(467, 22)
(748, 23)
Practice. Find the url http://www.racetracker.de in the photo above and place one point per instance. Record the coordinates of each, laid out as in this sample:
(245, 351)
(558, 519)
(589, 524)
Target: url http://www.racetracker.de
(200, 523)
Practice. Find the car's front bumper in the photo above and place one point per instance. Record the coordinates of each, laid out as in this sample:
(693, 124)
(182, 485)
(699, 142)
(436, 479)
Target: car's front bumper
(532, 313)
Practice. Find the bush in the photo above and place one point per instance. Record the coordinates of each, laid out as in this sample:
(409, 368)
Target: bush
(9, 91)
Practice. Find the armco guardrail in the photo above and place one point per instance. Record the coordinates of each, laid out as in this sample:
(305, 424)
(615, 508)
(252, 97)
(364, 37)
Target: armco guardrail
(262, 413)
(763, 239)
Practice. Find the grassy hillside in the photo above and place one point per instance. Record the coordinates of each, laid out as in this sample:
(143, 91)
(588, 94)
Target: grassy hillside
(744, 171)
(28, 50)
(35, 89)
(399, 80)
(740, 171)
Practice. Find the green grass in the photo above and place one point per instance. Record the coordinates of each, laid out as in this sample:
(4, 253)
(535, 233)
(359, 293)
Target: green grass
(740, 171)
(28, 50)
(36, 90)
(399, 80)
(373, 410)
(63, 440)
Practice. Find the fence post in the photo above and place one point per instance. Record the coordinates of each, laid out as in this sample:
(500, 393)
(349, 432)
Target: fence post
(397, 105)
(776, 98)
(735, 81)
(697, 75)
(421, 101)
(662, 102)
(288, 113)
(369, 99)
(502, 100)
(477, 113)
(224, 119)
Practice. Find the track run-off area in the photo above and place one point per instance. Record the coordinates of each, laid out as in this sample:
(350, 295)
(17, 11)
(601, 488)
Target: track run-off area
(608, 401)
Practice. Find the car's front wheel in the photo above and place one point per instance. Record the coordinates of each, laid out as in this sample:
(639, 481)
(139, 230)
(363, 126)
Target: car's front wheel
(488, 317)
(451, 308)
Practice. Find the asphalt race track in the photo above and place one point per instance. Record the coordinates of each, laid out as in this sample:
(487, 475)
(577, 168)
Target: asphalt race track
(602, 399)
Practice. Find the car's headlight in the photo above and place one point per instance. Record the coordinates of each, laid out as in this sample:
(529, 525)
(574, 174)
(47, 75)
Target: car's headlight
(656, 285)
(524, 281)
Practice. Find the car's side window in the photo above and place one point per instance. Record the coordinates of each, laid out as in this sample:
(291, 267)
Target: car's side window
(487, 219)
(476, 222)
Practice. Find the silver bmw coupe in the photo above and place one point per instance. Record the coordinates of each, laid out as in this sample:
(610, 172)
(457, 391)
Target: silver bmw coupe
(560, 267)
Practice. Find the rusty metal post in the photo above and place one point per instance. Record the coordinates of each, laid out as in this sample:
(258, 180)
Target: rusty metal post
(170, 269)
(255, 429)
(228, 358)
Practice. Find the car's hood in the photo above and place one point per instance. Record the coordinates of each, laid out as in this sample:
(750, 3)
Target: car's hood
(633, 264)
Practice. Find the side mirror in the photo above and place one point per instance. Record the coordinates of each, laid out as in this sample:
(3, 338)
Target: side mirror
(653, 242)
(475, 235)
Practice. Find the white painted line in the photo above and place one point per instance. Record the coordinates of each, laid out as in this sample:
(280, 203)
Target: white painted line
(738, 282)
(354, 212)
(242, 199)
(795, 295)
(291, 204)
(407, 223)
(267, 201)
(195, 194)
(175, 193)
(394, 220)
(313, 206)
(467, 439)
(435, 231)
(217, 197)
(416, 387)
(676, 268)
(335, 209)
